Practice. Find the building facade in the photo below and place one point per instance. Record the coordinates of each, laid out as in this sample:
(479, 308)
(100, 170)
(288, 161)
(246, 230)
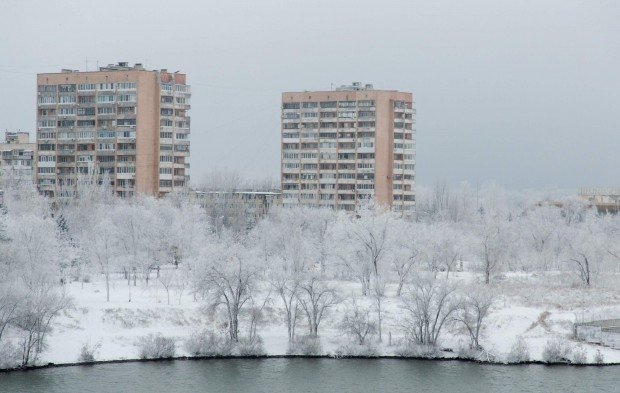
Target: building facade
(17, 157)
(606, 200)
(345, 146)
(123, 123)
(239, 209)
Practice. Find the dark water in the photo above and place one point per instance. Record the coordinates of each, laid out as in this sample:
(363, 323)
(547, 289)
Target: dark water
(312, 375)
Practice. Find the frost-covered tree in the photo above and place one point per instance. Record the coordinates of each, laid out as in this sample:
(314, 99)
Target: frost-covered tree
(316, 298)
(474, 308)
(429, 304)
(228, 277)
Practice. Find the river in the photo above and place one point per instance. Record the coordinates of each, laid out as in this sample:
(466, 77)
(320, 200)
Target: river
(311, 375)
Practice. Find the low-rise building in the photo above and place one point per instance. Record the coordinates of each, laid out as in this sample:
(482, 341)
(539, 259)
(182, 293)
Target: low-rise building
(606, 200)
(17, 156)
(238, 209)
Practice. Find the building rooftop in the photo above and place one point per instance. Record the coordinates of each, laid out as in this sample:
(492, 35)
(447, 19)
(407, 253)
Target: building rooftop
(119, 66)
(355, 86)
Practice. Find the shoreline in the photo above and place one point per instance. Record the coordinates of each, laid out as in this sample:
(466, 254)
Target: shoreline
(260, 357)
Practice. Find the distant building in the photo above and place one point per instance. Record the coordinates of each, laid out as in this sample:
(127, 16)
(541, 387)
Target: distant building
(345, 146)
(122, 121)
(606, 200)
(17, 156)
(238, 209)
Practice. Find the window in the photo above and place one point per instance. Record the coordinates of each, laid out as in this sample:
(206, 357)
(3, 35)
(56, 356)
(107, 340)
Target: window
(86, 134)
(47, 135)
(87, 86)
(105, 134)
(106, 86)
(165, 171)
(167, 135)
(46, 88)
(47, 123)
(328, 104)
(366, 103)
(46, 169)
(165, 158)
(66, 123)
(126, 134)
(105, 98)
(85, 123)
(47, 100)
(126, 169)
(126, 86)
(86, 99)
(86, 112)
(105, 146)
(127, 110)
(126, 98)
(105, 110)
(66, 88)
(66, 111)
(47, 158)
(126, 122)
(47, 147)
(310, 105)
(346, 104)
(67, 99)
(290, 105)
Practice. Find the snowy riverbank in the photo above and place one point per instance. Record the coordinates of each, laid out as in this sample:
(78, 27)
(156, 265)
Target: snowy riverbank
(529, 307)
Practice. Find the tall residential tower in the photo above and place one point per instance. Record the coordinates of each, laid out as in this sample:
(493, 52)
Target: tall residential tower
(122, 121)
(341, 147)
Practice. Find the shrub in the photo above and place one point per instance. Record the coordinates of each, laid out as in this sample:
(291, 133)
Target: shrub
(10, 356)
(156, 346)
(556, 351)
(367, 350)
(358, 324)
(467, 352)
(208, 343)
(250, 347)
(418, 351)
(599, 358)
(520, 352)
(305, 345)
(87, 353)
(580, 356)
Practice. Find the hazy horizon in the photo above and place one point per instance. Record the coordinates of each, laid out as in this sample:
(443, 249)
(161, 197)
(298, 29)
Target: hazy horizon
(523, 94)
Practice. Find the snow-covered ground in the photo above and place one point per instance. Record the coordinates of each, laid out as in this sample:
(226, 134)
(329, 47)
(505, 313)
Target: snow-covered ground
(528, 306)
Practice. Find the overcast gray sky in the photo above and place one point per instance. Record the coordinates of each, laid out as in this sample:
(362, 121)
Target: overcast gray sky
(525, 93)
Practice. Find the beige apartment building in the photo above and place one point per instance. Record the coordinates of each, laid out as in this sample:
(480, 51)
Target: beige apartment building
(344, 146)
(124, 122)
(17, 156)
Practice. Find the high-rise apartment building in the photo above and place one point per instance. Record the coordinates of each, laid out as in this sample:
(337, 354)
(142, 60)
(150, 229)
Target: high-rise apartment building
(123, 122)
(344, 146)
